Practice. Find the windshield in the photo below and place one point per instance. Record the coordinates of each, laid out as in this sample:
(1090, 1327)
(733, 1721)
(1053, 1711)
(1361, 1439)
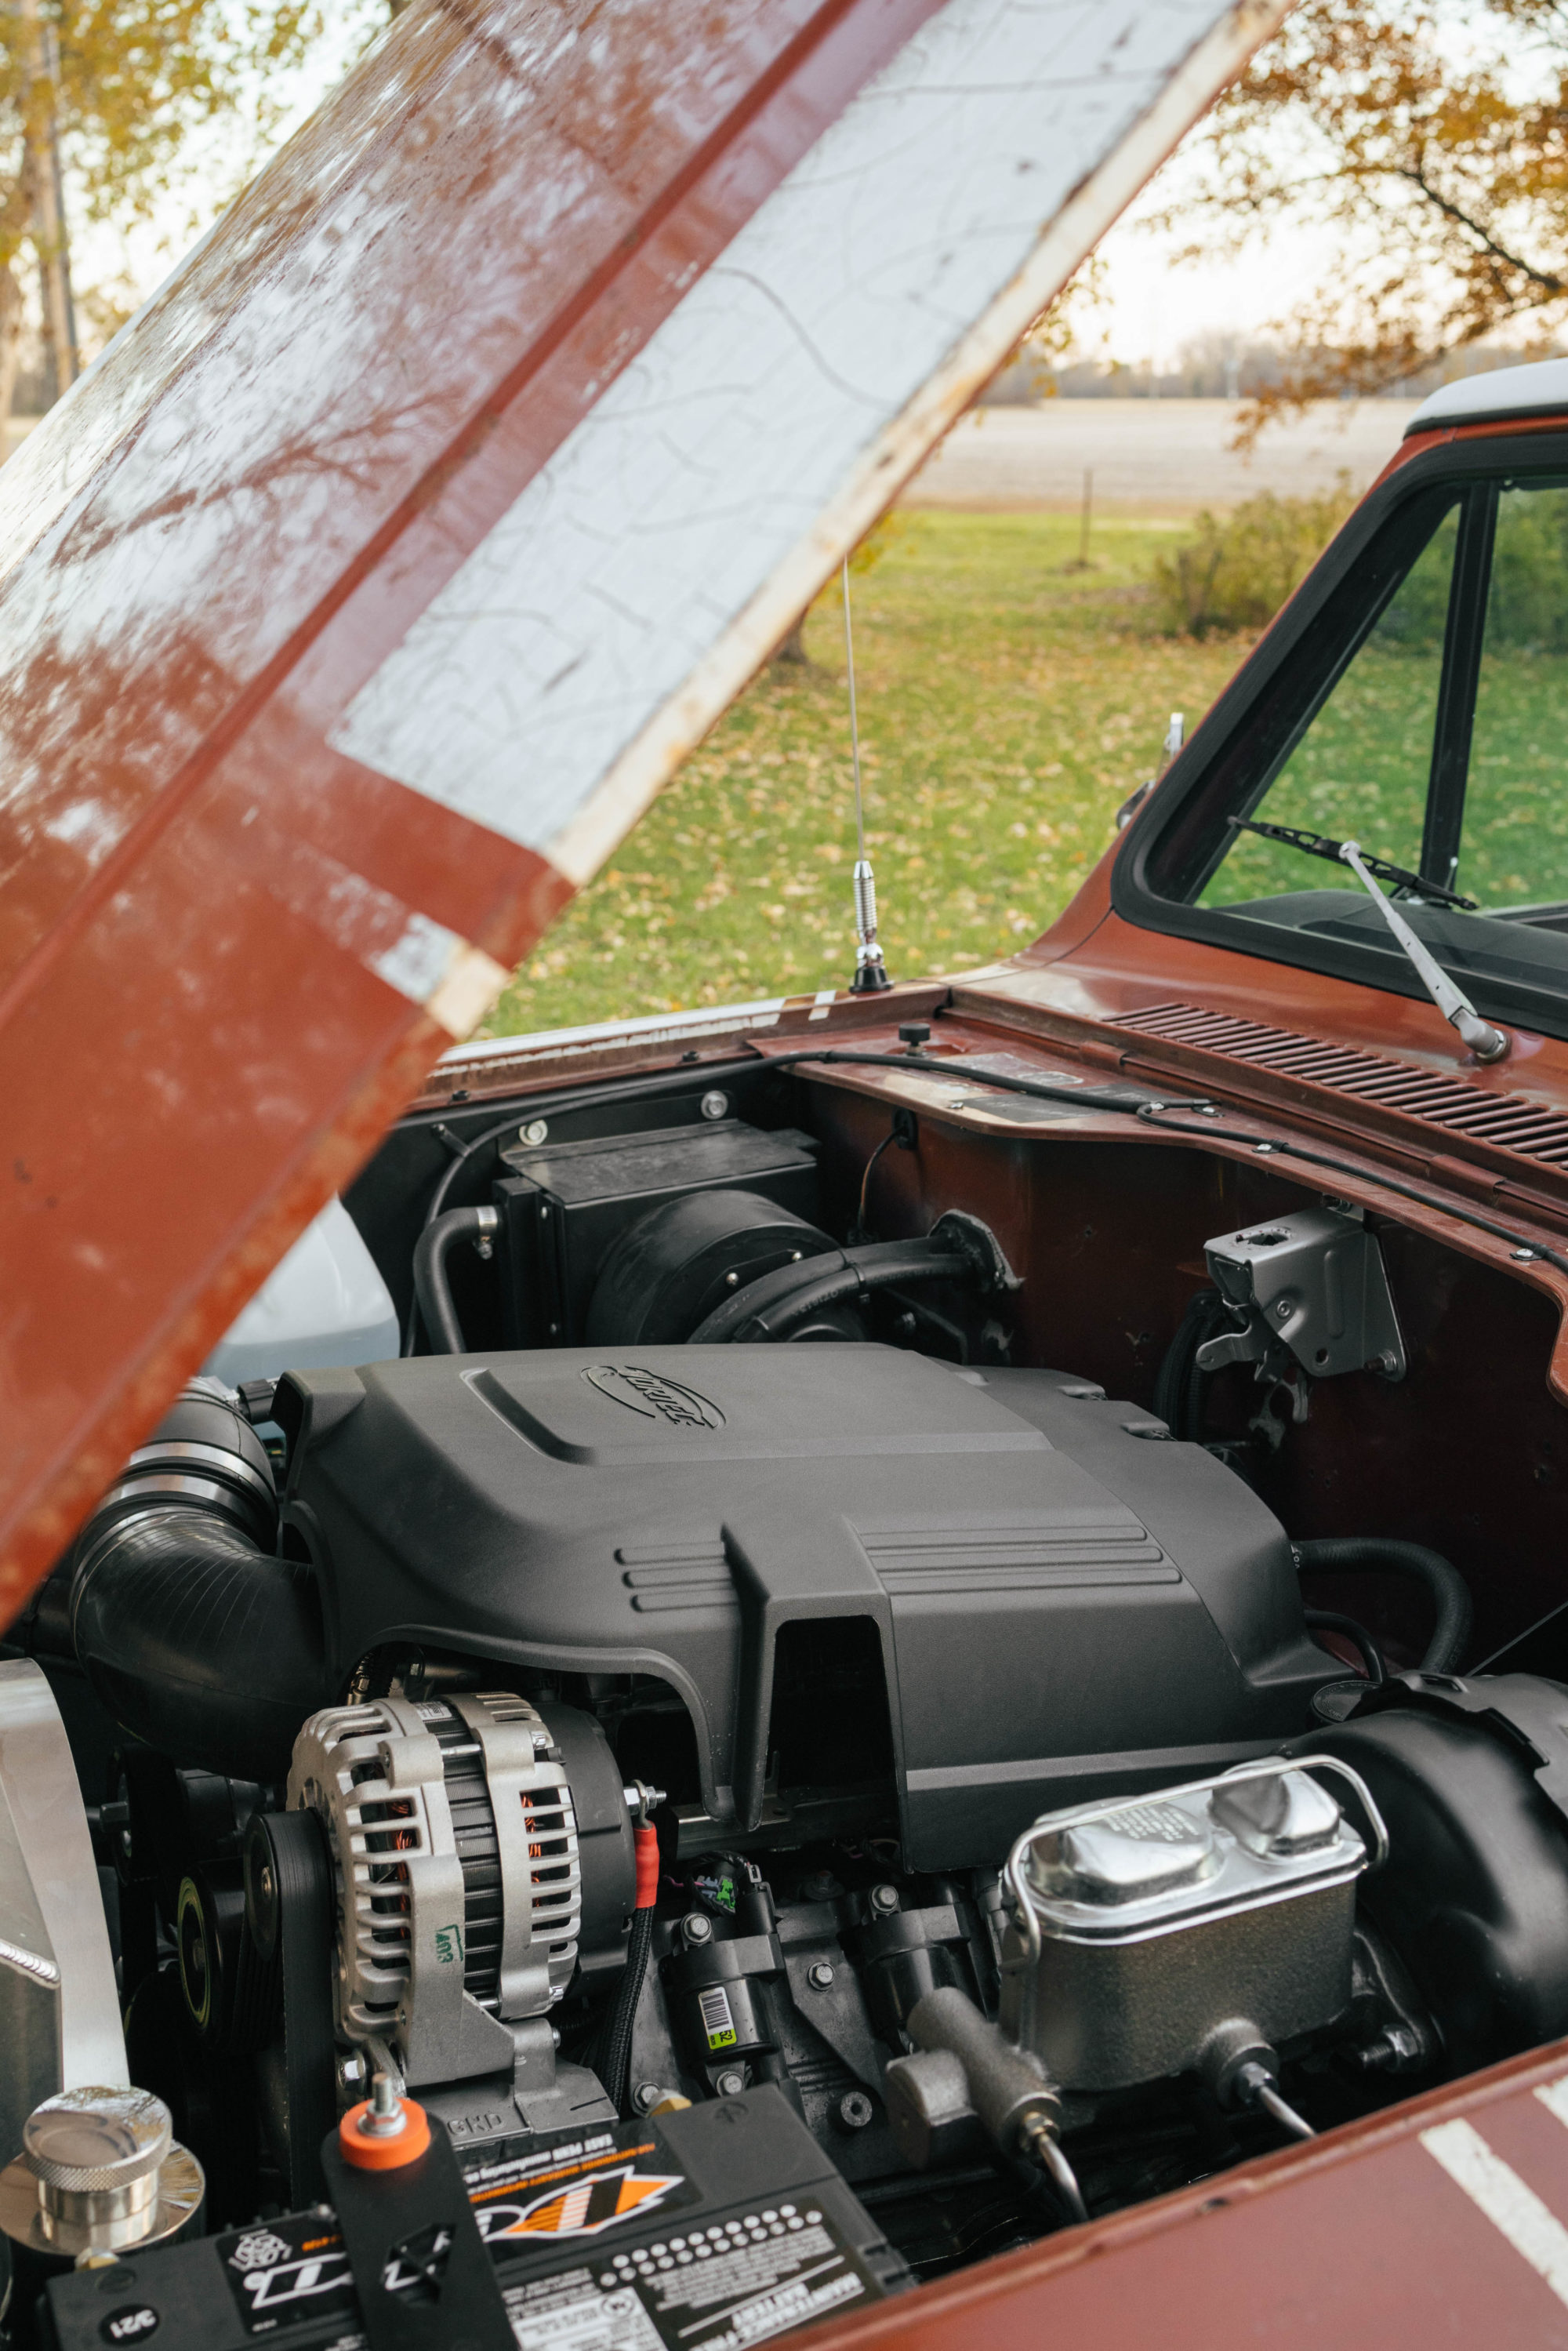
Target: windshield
(1422, 713)
(1363, 765)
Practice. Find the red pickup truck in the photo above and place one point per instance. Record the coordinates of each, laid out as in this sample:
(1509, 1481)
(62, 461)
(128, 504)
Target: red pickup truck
(894, 1660)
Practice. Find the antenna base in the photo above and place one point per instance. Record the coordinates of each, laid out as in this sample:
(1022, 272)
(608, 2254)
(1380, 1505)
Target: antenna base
(871, 974)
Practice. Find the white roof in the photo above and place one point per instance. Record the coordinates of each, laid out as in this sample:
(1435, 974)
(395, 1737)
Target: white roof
(1541, 390)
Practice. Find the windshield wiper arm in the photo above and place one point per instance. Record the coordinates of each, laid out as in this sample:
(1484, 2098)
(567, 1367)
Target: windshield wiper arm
(1318, 844)
(1487, 1043)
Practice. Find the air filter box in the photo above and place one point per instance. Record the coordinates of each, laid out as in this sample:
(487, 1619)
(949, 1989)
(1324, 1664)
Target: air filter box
(564, 1205)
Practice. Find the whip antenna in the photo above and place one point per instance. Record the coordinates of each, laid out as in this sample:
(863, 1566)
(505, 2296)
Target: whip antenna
(870, 972)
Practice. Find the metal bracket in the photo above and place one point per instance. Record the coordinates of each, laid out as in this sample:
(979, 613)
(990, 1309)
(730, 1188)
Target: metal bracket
(424, 2275)
(1308, 1290)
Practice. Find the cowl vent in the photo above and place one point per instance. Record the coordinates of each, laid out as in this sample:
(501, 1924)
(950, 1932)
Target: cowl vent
(1506, 1124)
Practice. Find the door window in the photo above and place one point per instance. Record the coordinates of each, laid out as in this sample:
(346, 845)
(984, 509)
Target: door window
(1512, 851)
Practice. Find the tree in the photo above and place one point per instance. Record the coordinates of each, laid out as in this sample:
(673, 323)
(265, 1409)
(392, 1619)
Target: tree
(1435, 141)
(113, 89)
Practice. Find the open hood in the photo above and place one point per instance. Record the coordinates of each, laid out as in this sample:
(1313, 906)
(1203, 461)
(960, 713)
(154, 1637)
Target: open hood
(360, 597)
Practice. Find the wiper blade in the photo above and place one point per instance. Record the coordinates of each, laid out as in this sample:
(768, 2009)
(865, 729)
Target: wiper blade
(1318, 844)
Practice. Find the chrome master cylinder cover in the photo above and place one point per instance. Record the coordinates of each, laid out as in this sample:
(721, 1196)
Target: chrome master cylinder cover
(1141, 1926)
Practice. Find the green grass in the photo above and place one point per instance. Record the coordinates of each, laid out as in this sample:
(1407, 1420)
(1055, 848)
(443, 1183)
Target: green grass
(1009, 703)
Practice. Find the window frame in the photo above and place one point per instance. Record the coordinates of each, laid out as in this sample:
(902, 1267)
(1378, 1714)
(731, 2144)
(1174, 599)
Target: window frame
(1181, 833)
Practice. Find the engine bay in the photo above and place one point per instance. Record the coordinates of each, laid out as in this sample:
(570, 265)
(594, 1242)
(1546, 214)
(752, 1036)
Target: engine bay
(960, 1643)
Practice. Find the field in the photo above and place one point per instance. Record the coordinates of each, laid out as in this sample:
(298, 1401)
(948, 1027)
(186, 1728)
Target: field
(1009, 703)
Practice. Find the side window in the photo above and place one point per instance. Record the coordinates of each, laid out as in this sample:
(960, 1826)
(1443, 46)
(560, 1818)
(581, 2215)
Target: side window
(1513, 844)
(1362, 764)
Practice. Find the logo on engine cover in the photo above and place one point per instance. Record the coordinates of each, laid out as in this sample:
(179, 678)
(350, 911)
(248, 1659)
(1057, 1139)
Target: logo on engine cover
(655, 1397)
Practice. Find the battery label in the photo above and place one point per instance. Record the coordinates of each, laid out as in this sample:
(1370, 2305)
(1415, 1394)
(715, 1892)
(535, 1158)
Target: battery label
(287, 2272)
(525, 2195)
(723, 2288)
(718, 2020)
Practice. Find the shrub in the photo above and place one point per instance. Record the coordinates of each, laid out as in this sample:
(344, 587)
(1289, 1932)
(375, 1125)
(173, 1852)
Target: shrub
(1236, 569)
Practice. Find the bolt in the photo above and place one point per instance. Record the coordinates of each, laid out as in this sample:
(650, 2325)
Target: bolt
(535, 1132)
(646, 2097)
(1284, 1310)
(1524, 1256)
(819, 1976)
(730, 1280)
(714, 1105)
(351, 2074)
(853, 2111)
(697, 1929)
(385, 2117)
(885, 1900)
(730, 2084)
(913, 1033)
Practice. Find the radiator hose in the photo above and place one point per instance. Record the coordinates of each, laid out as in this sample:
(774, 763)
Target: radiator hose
(1373, 1556)
(192, 1634)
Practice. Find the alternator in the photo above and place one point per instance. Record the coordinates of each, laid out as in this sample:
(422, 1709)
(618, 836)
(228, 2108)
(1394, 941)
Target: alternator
(454, 1833)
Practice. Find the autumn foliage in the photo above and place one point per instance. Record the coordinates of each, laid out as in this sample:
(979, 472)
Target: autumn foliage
(1433, 141)
(124, 83)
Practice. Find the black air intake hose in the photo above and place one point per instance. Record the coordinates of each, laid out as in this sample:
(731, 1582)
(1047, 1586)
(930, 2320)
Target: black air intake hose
(1372, 1555)
(958, 1247)
(191, 1636)
(431, 1287)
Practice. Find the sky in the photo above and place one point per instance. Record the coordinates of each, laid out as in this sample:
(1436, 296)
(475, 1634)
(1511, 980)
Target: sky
(1154, 305)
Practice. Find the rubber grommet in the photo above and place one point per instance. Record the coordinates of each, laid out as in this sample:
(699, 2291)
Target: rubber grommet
(371, 2153)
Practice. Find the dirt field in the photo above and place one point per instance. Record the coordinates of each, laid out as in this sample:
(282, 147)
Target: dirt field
(1150, 457)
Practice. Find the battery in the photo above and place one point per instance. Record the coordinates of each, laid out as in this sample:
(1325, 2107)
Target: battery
(712, 2229)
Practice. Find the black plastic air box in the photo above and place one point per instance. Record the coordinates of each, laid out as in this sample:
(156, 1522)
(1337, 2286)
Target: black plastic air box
(564, 1205)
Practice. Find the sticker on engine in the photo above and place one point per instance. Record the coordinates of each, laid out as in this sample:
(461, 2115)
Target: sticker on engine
(718, 2019)
(723, 2288)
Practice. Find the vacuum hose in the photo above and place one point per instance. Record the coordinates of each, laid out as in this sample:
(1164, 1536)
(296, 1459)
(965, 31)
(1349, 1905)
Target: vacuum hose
(191, 1633)
(1372, 1555)
(431, 1286)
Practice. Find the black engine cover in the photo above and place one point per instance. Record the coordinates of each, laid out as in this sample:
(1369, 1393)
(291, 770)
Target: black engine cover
(1064, 1606)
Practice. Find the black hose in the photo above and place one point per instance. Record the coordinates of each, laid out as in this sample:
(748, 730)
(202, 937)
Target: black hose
(431, 1287)
(1375, 1554)
(1181, 1390)
(617, 2064)
(771, 1308)
(1328, 1620)
(191, 1637)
